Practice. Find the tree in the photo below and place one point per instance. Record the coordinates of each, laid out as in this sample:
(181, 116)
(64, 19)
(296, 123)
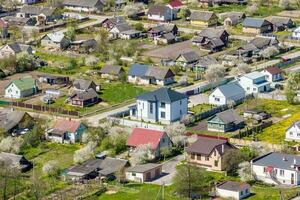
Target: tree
(215, 73)
(51, 168)
(184, 13)
(269, 52)
(176, 131)
(93, 135)
(71, 32)
(11, 144)
(285, 4)
(231, 159)
(139, 27)
(25, 62)
(109, 4)
(188, 119)
(102, 42)
(132, 10)
(292, 85)
(85, 153)
(258, 149)
(245, 172)
(190, 180)
(55, 3)
(252, 9)
(142, 154)
(240, 69)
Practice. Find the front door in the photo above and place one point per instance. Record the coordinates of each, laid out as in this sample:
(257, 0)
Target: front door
(148, 176)
(292, 179)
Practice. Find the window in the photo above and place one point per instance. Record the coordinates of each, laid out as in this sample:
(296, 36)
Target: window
(265, 169)
(254, 89)
(206, 158)
(143, 105)
(298, 134)
(133, 174)
(180, 102)
(291, 133)
(215, 153)
(162, 104)
(163, 140)
(180, 112)
(151, 108)
(216, 163)
(248, 88)
(281, 172)
(193, 156)
(217, 99)
(242, 193)
(163, 115)
(198, 157)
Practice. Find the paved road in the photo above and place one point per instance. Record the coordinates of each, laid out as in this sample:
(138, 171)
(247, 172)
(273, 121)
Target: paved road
(169, 169)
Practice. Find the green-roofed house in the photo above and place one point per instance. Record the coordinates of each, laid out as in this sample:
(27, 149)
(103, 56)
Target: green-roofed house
(20, 88)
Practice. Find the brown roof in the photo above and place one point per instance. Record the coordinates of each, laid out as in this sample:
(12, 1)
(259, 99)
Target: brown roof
(274, 70)
(3, 24)
(158, 10)
(202, 15)
(206, 144)
(67, 125)
(233, 186)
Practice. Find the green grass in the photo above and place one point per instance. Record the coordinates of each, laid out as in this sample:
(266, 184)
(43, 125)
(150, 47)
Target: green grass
(201, 108)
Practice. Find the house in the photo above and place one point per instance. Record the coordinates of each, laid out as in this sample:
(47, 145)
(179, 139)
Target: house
(161, 13)
(21, 88)
(55, 40)
(224, 94)
(159, 140)
(204, 63)
(105, 167)
(203, 18)
(12, 49)
(225, 121)
(212, 39)
(257, 26)
(232, 18)
(14, 161)
(162, 105)
(273, 74)
(144, 173)
(161, 29)
(220, 2)
(233, 190)
(175, 5)
(66, 131)
(41, 15)
(254, 82)
(293, 132)
(124, 31)
(208, 151)
(84, 84)
(145, 75)
(83, 98)
(296, 34)
(110, 23)
(53, 79)
(14, 121)
(281, 23)
(277, 168)
(187, 59)
(167, 38)
(112, 72)
(91, 6)
(3, 28)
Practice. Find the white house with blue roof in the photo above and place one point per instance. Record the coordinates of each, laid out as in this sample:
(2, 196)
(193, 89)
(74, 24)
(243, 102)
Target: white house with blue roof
(162, 105)
(277, 168)
(224, 94)
(293, 132)
(255, 82)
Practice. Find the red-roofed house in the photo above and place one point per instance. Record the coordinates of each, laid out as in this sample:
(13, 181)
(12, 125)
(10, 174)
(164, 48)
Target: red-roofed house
(66, 131)
(273, 74)
(157, 139)
(3, 28)
(175, 4)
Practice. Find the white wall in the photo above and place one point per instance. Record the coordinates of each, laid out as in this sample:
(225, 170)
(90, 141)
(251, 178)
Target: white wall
(217, 94)
(293, 133)
(138, 177)
(12, 92)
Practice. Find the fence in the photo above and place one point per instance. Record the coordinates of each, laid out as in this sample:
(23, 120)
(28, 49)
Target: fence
(241, 143)
(256, 129)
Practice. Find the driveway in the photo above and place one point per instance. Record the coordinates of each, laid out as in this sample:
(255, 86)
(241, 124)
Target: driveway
(169, 170)
(197, 99)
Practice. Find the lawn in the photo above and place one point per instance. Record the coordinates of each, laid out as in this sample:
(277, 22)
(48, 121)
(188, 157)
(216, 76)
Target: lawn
(201, 108)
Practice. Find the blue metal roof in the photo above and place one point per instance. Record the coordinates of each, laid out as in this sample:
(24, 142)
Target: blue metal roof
(162, 94)
(138, 70)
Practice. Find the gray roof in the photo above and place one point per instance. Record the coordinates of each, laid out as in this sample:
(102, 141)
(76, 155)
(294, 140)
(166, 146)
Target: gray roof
(202, 15)
(212, 32)
(56, 36)
(206, 144)
(262, 42)
(123, 27)
(277, 160)
(206, 61)
(84, 95)
(143, 168)
(164, 27)
(10, 118)
(255, 22)
(37, 10)
(81, 3)
(229, 116)
(82, 84)
(280, 21)
(150, 71)
(233, 14)
(111, 69)
(138, 70)
(18, 47)
(233, 186)
(14, 160)
(169, 36)
(158, 10)
(190, 56)
(254, 75)
(111, 165)
(162, 94)
(296, 123)
(231, 89)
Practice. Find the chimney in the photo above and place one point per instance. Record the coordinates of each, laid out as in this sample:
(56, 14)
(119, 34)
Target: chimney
(222, 148)
(284, 158)
(295, 161)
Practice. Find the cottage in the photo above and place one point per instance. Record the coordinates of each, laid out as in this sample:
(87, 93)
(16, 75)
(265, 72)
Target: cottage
(90, 169)
(112, 72)
(162, 105)
(161, 13)
(66, 131)
(175, 5)
(208, 151)
(91, 6)
(187, 59)
(124, 31)
(55, 40)
(159, 140)
(233, 190)
(83, 98)
(254, 82)
(232, 18)
(12, 49)
(277, 168)
(110, 23)
(225, 94)
(203, 18)
(225, 121)
(145, 75)
(3, 28)
(273, 74)
(212, 39)
(161, 29)
(21, 88)
(281, 23)
(13, 121)
(293, 132)
(14, 161)
(53, 80)
(257, 26)
(204, 63)
(84, 84)
(296, 34)
(144, 173)
(167, 38)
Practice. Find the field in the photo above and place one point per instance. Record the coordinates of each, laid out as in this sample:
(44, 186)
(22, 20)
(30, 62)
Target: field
(201, 108)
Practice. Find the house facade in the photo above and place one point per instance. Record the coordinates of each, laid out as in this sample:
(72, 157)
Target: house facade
(255, 82)
(208, 151)
(144, 173)
(277, 168)
(222, 95)
(55, 40)
(296, 34)
(257, 26)
(21, 88)
(273, 74)
(90, 6)
(233, 190)
(162, 105)
(203, 18)
(84, 98)
(161, 13)
(13, 49)
(293, 132)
